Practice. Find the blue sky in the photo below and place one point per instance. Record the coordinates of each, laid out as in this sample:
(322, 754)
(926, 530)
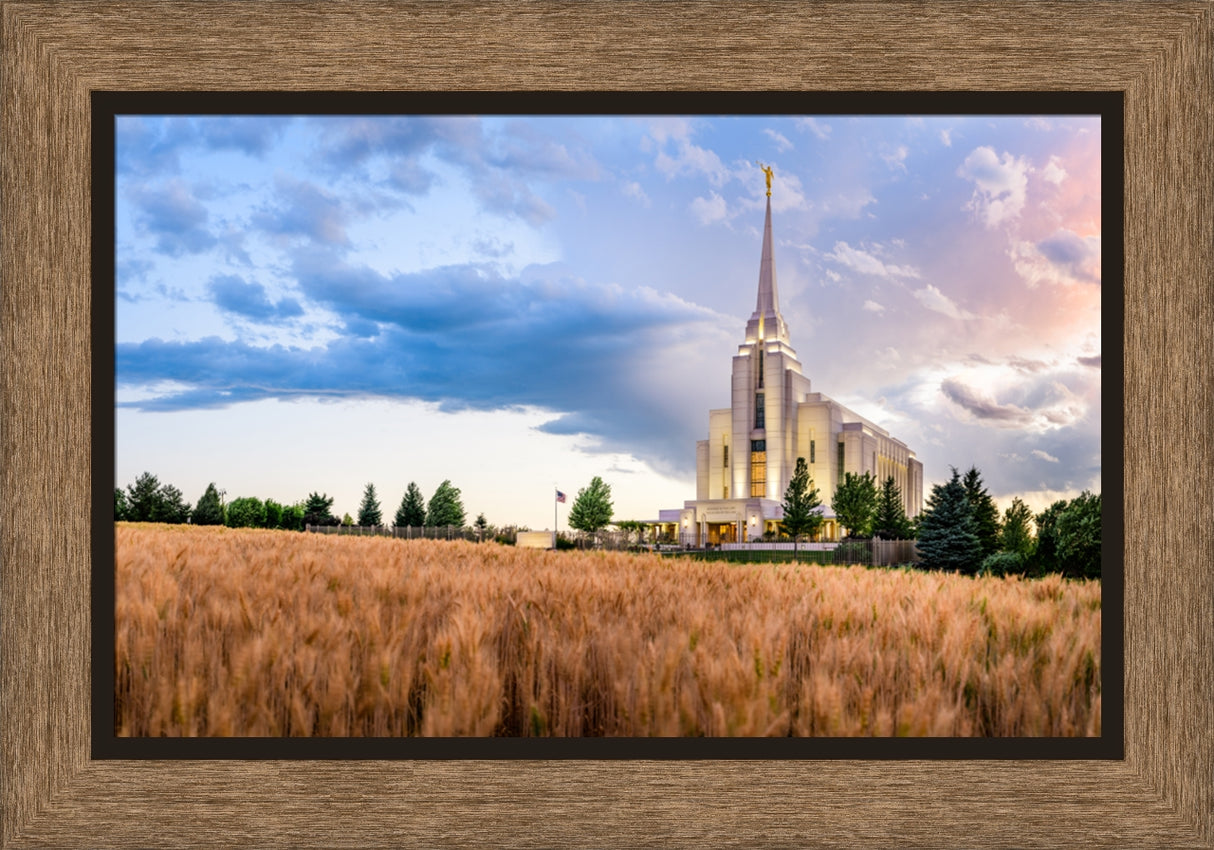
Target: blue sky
(520, 303)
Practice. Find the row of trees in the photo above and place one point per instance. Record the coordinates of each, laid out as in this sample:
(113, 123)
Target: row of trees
(860, 507)
(147, 500)
(960, 529)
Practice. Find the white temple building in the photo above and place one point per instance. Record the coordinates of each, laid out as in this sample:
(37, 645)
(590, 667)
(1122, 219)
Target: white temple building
(744, 467)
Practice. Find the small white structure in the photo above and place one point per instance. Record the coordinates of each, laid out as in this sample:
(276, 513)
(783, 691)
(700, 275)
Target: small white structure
(744, 467)
(536, 540)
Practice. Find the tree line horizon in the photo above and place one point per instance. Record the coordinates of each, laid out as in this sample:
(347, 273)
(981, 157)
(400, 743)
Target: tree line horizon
(959, 530)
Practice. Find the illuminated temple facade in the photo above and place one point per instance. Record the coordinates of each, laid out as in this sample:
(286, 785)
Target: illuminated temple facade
(744, 467)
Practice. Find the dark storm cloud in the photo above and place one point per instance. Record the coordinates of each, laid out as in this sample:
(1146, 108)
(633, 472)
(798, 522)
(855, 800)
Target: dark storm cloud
(233, 294)
(462, 336)
(982, 407)
(1093, 362)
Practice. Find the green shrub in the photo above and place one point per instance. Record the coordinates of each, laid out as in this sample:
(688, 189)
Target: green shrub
(1002, 564)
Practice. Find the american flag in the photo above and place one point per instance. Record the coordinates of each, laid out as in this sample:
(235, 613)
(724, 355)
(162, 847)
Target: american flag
(560, 497)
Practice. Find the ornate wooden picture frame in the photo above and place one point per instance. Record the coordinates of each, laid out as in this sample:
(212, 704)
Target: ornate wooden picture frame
(55, 54)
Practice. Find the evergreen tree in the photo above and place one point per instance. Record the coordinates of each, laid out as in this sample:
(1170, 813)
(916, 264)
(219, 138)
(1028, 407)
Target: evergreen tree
(801, 503)
(890, 522)
(412, 510)
(316, 510)
(172, 508)
(445, 508)
(592, 508)
(985, 513)
(855, 503)
(246, 512)
(946, 533)
(480, 525)
(121, 509)
(347, 520)
(368, 511)
(1079, 537)
(209, 510)
(1016, 534)
(143, 499)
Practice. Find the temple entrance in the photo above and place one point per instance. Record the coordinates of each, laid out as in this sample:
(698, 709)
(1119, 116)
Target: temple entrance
(722, 532)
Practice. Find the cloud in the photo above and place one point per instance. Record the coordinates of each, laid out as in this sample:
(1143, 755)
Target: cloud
(632, 189)
(812, 125)
(865, 263)
(147, 144)
(1093, 361)
(1038, 405)
(1046, 456)
(709, 210)
(983, 407)
(933, 299)
(502, 161)
(463, 336)
(1064, 257)
(233, 294)
(946, 138)
(873, 307)
(1054, 172)
(897, 159)
(304, 209)
(1000, 185)
(689, 159)
(173, 215)
(782, 142)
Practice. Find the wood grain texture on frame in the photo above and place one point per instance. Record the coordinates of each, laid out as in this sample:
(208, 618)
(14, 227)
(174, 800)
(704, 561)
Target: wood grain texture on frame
(55, 53)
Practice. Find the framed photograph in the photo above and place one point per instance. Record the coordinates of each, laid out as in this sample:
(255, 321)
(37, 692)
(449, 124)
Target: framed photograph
(490, 292)
(63, 787)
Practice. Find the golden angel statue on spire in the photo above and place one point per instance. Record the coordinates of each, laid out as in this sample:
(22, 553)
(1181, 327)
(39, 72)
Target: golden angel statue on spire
(767, 172)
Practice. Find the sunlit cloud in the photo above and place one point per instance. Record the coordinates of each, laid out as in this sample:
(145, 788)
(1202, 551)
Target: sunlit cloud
(935, 300)
(1000, 183)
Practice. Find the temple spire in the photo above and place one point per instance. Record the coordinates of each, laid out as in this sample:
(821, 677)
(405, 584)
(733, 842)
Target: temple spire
(767, 323)
(769, 301)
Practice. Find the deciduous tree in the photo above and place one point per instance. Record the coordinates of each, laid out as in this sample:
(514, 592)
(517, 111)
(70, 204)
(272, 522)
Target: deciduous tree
(855, 503)
(273, 514)
(446, 507)
(1045, 557)
(246, 512)
(1016, 534)
(1079, 537)
(592, 508)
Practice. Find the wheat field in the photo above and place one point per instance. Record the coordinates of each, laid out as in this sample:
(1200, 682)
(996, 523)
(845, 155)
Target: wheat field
(223, 632)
